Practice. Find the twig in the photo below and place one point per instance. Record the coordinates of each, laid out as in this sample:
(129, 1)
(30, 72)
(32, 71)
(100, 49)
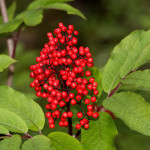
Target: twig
(5, 20)
(10, 43)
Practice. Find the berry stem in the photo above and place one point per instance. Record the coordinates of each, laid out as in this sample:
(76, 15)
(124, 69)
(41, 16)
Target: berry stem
(78, 133)
(69, 120)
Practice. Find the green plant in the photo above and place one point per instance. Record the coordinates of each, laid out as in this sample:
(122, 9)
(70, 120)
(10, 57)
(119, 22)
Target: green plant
(22, 120)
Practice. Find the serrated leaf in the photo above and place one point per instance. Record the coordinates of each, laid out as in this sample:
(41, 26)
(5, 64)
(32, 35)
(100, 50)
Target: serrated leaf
(132, 109)
(11, 143)
(66, 7)
(5, 61)
(10, 26)
(42, 4)
(128, 55)
(10, 12)
(3, 130)
(138, 80)
(39, 142)
(31, 17)
(23, 106)
(63, 141)
(100, 135)
(12, 122)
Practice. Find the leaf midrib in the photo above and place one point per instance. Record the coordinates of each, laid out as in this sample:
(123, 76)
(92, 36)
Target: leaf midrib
(11, 104)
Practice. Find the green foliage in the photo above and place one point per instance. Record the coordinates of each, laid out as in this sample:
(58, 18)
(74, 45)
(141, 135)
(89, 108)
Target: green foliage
(100, 135)
(3, 130)
(31, 17)
(64, 141)
(66, 7)
(10, 12)
(132, 109)
(132, 52)
(23, 106)
(39, 142)
(19, 113)
(34, 14)
(11, 143)
(10, 26)
(5, 61)
(138, 80)
(42, 4)
(12, 122)
(133, 142)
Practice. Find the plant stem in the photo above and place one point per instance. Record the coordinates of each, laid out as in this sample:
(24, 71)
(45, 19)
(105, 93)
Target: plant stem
(78, 133)
(69, 120)
(114, 90)
(111, 93)
(11, 42)
(5, 136)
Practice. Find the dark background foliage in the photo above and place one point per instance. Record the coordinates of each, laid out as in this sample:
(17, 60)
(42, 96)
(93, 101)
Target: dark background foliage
(108, 21)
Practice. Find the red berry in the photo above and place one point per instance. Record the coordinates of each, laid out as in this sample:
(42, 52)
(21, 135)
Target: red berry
(89, 113)
(65, 115)
(88, 73)
(71, 27)
(89, 107)
(95, 115)
(93, 99)
(73, 102)
(52, 126)
(86, 126)
(87, 101)
(48, 114)
(70, 114)
(65, 123)
(76, 32)
(78, 126)
(61, 123)
(79, 115)
(60, 25)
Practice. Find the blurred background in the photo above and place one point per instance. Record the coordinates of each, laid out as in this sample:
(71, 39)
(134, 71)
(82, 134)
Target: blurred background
(108, 21)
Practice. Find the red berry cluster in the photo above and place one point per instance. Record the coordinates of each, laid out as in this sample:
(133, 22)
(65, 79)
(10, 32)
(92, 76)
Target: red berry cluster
(60, 76)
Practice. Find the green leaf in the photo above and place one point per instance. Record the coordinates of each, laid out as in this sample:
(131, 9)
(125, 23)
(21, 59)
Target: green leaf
(23, 106)
(31, 17)
(12, 122)
(138, 80)
(10, 26)
(66, 7)
(95, 72)
(11, 11)
(3, 130)
(63, 141)
(39, 142)
(5, 61)
(132, 109)
(42, 4)
(11, 143)
(128, 55)
(100, 135)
